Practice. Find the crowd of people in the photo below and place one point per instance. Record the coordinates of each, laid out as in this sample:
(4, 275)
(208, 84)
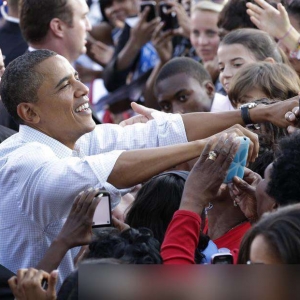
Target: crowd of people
(183, 80)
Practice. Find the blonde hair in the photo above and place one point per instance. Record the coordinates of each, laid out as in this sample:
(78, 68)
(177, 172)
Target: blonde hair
(206, 6)
(276, 80)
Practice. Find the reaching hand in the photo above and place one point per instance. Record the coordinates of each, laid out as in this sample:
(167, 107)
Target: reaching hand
(77, 230)
(144, 115)
(239, 130)
(102, 52)
(27, 285)
(209, 173)
(269, 19)
(243, 193)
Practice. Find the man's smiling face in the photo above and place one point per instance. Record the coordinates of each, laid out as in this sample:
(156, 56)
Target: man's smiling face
(63, 104)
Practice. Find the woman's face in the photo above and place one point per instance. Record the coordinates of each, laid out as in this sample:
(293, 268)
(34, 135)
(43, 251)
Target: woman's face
(119, 10)
(204, 34)
(231, 58)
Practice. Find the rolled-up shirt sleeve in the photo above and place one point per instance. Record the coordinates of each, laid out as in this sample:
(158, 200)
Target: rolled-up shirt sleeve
(163, 130)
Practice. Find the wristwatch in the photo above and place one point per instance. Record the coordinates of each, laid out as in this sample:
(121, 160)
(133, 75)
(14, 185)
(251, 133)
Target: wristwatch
(245, 112)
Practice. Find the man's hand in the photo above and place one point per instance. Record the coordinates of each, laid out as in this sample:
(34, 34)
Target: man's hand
(27, 285)
(239, 130)
(144, 115)
(77, 230)
(293, 117)
(207, 175)
(243, 193)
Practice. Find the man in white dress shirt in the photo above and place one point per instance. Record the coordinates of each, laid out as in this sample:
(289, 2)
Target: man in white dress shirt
(59, 151)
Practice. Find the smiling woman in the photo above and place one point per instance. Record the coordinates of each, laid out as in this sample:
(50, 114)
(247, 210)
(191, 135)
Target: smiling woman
(241, 47)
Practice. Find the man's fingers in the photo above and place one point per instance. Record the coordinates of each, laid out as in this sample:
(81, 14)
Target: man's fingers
(142, 110)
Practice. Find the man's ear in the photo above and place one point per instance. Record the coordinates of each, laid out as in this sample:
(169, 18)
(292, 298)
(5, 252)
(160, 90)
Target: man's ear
(270, 60)
(27, 113)
(210, 89)
(57, 27)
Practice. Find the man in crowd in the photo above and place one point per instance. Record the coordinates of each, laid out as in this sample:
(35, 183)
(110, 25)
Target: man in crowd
(60, 26)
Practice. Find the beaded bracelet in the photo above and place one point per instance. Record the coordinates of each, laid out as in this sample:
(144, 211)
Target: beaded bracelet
(296, 53)
(286, 34)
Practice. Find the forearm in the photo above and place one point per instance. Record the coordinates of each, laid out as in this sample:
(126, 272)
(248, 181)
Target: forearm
(134, 167)
(202, 125)
(53, 256)
(127, 55)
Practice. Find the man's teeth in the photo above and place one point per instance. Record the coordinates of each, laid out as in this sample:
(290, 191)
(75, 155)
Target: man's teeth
(82, 107)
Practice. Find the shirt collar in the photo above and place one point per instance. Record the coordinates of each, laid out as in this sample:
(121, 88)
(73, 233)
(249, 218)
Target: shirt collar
(29, 134)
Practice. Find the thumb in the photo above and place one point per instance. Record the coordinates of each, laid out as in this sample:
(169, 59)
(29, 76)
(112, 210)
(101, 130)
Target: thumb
(51, 291)
(142, 110)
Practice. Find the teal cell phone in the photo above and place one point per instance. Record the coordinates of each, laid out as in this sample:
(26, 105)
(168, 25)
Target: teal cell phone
(240, 159)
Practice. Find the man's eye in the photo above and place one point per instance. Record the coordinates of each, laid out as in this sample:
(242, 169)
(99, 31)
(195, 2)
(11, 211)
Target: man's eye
(183, 98)
(65, 86)
(165, 106)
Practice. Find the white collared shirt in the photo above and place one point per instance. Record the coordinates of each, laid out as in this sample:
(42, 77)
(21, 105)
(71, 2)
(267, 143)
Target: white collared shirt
(40, 178)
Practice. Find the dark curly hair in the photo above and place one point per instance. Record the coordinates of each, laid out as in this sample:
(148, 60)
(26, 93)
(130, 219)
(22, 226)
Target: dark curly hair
(20, 81)
(134, 246)
(284, 184)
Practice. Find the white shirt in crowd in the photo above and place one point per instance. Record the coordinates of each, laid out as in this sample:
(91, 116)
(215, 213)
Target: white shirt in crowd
(40, 178)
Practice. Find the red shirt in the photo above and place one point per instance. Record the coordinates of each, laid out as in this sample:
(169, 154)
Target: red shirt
(182, 238)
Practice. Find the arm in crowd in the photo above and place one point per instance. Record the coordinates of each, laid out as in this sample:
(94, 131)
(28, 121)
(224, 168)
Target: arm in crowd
(201, 187)
(127, 51)
(274, 21)
(77, 230)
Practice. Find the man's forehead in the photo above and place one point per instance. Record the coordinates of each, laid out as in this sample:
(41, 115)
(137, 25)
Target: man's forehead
(55, 65)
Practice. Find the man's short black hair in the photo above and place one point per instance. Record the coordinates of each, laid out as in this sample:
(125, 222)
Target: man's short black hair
(284, 185)
(20, 81)
(184, 65)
